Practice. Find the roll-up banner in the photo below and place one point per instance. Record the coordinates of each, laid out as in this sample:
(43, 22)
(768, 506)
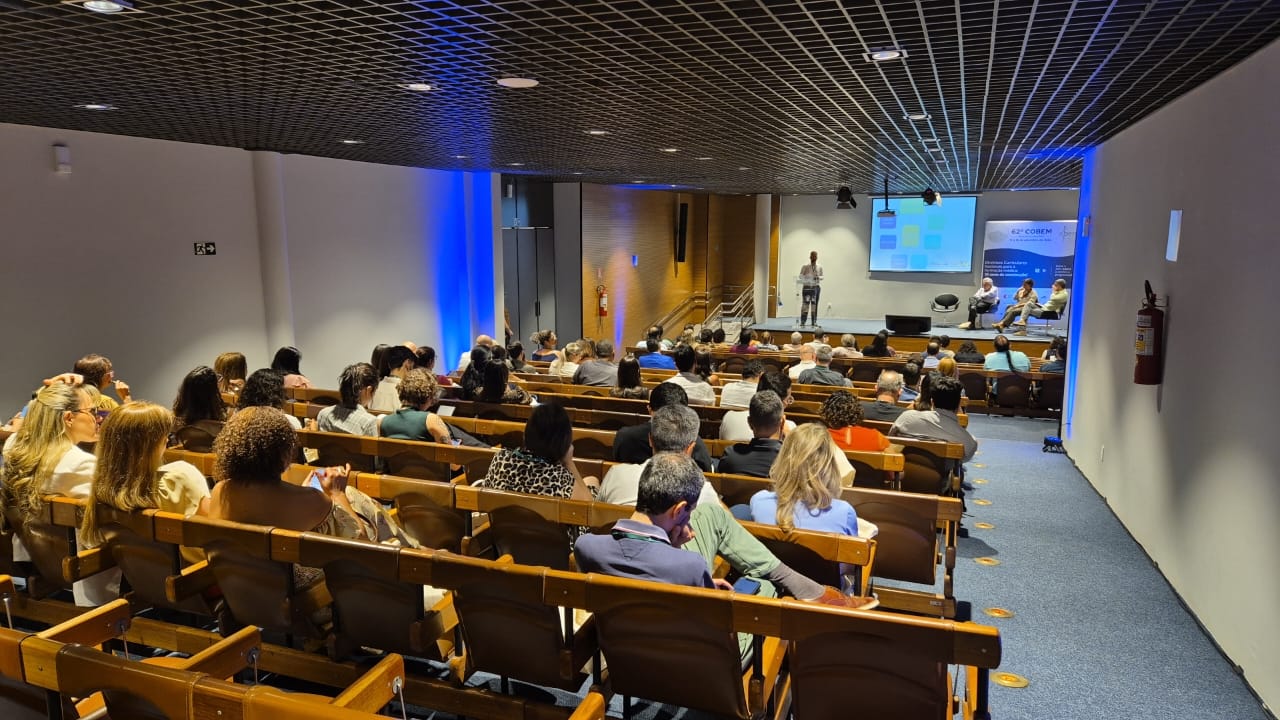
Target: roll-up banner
(1014, 250)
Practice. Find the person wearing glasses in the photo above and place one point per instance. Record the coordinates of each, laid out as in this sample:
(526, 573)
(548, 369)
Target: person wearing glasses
(42, 458)
(97, 371)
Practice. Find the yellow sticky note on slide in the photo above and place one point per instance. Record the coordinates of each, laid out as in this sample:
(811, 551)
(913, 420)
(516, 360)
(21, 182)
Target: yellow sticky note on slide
(911, 236)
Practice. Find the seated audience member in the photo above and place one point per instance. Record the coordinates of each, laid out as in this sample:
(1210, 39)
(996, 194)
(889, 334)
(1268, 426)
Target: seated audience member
(695, 385)
(601, 370)
(497, 387)
(746, 343)
(414, 420)
(1055, 345)
(42, 458)
(427, 361)
(687, 336)
(654, 359)
(797, 342)
(718, 338)
(842, 414)
(232, 369)
(879, 346)
(766, 341)
(924, 400)
(646, 545)
(251, 455)
(378, 359)
(702, 365)
(806, 487)
(544, 466)
(198, 410)
(544, 343)
(96, 372)
(265, 388)
(737, 394)
(355, 385)
(1002, 358)
(931, 355)
(716, 532)
(654, 333)
(822, 374)
(981, 301)
(468, 357)
(941, 422)
(848, 347)
(706, 336)
(473, 375)
(944, 344)
(888, 389)
(629, 383)
(733, 424)
(1059, 362)
(397, 360)
(567, 365)
(756, 457)
(1024, 297)
(968, 354)
(910, 382)
(807, 362)
(129, 476)
(1056, 303)
(286, 362)
(820, 340)
(516, 362)
(948, 367)
(631, 443)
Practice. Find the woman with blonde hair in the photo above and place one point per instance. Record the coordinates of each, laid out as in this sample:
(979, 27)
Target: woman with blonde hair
(42, 458)
(130, 476)
(806, 486)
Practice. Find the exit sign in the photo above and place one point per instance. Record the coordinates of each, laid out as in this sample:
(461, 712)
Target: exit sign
(206, 248)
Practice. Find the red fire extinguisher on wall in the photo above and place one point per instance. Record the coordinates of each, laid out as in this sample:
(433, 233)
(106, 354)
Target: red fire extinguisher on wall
(603, 293)
(1148, 343)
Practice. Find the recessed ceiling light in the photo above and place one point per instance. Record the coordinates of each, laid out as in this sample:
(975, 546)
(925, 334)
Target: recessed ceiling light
(351, 142)
(917, 116)
(744, 168)
(517, 82)
(515, 164)
(578, 173)
(96, 106)
(637, 182)
(596, 133)
(105, 6)
(669, 150)
(884, 54)
(461, 157)
(702, 158)
(418, 87)
(934, 149)
(930, 140)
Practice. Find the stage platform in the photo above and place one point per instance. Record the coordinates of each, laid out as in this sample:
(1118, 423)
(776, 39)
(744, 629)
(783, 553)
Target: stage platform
(782, 327)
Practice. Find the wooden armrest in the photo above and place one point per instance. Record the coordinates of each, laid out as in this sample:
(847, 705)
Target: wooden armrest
(94, 626)
(193, 580)
(376, 687)
(592, 707)
(228, 657)
(86, 563)
(6, 587)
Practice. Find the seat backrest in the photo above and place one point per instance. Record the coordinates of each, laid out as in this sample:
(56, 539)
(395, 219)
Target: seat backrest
(907, 543)
(131, 689)
(529, 538)
(1052, 387)
(945, 301)
(597, 445)
(670, 644)
(199, 437)
(429, 523)
(804, 561)
(49, 545)
(924, 471)
(413, 465)
(975, 385)
(147, 564)
(1013, 391)
(370, 607)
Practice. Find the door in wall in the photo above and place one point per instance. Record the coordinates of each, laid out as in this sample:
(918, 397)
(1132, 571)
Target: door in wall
(528, 271)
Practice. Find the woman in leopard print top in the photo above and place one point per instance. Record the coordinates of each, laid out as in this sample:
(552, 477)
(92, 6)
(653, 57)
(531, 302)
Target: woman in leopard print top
(544, 466)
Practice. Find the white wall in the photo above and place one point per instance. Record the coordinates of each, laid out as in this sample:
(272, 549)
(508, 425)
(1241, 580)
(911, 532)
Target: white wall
(1192, 467)
(842, 239)
(101, 260)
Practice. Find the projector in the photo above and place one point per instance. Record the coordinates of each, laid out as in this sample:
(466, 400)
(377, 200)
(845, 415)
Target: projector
(886, 213)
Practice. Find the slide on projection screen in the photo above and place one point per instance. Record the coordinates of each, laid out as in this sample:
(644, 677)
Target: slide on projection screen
(924, 238)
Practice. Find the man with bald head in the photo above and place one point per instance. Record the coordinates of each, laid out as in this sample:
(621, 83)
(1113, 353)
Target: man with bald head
(465, 360)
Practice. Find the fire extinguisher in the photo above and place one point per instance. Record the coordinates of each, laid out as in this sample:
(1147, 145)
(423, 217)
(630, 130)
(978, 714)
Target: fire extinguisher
(1149, 342)
(603, 293)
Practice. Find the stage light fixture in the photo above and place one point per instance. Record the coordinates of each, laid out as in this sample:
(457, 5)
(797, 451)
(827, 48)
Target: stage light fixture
(844, 199)
(929, 196)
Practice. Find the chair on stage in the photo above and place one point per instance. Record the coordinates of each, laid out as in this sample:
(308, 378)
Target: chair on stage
(994, 310)
(1047, 316)
(944, 303)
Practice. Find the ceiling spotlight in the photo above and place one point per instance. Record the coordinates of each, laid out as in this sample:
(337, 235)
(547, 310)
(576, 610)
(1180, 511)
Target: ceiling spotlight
(596, 133)
(105, 6)
(96, 106)
(702, 158)
(844, 199)
(351, 142)
(917, 116)
(516, 164)
(669, 150)
(418, 87)
(929, 196)
(884, 55)
(461, 157)
(517, 82)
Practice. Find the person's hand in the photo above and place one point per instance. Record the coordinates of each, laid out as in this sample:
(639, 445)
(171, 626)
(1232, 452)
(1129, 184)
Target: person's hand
(311, 424)
(722, 584)
(122, 389)
(333, 479)
(68, 378)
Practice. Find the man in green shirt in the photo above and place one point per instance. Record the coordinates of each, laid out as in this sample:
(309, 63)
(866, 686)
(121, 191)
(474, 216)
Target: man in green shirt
(1056, 303)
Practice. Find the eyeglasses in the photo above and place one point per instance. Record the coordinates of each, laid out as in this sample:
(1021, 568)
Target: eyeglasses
(97, 415)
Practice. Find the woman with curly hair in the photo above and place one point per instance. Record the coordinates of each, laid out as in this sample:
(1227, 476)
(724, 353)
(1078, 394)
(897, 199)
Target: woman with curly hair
(806, 486)
(544, 343)
(414, 420)
(842, 414)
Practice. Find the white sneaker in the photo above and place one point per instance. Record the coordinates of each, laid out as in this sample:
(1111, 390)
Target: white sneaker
(964, 326)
